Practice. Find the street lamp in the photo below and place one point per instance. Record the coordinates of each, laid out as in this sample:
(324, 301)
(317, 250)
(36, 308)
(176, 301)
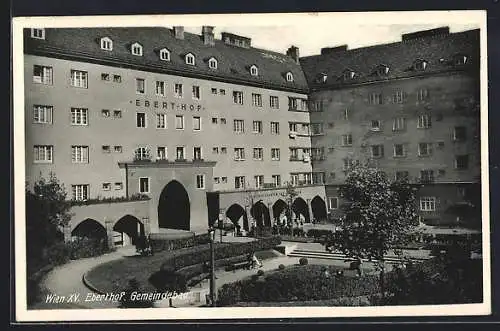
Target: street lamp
(211, 234)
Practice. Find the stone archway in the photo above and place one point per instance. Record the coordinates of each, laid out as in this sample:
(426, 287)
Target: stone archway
(278, 207)
(131, 226)
(318, 207)
(260, 213)
(299, 207)
(89, 228)
(235, 213)
(174, 209)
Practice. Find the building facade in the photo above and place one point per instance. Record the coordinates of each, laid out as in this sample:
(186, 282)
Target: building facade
(154, 118)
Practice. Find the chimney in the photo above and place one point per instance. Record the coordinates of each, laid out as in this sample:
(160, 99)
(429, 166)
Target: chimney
(328, 50)
(293, 52)
(179, 32)
(425, 33)
(207, 34)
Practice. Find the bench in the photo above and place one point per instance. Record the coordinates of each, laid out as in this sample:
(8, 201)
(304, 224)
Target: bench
(197, 279)
(238, 265)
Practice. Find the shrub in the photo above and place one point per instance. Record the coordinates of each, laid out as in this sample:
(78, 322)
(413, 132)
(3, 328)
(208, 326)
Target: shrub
(298, 232)
(281, 267)
(87, 247)
(58, 254)
(303, 261)
(260, 272)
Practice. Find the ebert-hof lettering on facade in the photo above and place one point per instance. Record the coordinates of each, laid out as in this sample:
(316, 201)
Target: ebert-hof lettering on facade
(167, 105)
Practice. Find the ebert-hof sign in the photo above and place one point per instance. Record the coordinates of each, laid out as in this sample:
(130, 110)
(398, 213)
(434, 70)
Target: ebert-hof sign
(167, 105)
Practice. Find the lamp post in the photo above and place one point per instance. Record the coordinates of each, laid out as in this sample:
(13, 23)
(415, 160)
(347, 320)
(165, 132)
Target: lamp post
(211, 233)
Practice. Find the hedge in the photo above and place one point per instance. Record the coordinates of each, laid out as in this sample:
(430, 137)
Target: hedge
(159, 243)
(319, 233)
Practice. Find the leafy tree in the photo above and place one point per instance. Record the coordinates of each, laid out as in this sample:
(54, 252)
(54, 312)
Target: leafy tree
(378, 216)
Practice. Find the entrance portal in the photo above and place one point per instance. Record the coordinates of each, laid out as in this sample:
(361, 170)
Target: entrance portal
(173, 207)
(318, 208)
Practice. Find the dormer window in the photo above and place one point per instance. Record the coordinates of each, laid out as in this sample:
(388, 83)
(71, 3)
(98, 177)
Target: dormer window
(254, 71)
(212, 63)
(164, 54)
(348, 75)
(136, 49)
(460, 60)
(38, 33)
(106, 44)
(382, 70)
(190, 60)
(289, 77)
(420, 65)
(321, 78)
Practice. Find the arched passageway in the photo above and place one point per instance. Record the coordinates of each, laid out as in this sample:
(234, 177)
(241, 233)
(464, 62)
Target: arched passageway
(89, 228)
(129, 226)
(260, 213)
(238, 216)
(299, 207)
(279, 207)
(318, 207)
(174, 207)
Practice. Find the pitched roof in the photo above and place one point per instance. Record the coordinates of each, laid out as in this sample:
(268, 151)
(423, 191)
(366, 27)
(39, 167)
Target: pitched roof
(438, 51)
(233, 62)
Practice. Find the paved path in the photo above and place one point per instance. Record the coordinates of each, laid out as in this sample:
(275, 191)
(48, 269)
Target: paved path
(66, 280)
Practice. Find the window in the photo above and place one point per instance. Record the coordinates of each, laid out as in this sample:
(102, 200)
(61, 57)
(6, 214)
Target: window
(42, 75)
(143, 185)
(318, 177)
(294, 154)
(382, 70)
(214, 120)
(333, 203)
(259, 181)
(79, 78)
(375, 125)
(215, 150)
(136, 49)
(347, 140)
(178, 90)
(216, 180)
(224, 179)
(196, 123)
(222, 120)
(289, 77)
(424, 149)
(117, 78)
(80, 154)
(293, 127)
(196, 92)
(38, 33)
(276, 180)
(399, 97)
(142, 153)
(140, 86)
(223, 150)
(80, 192)
(427, 176)
(118, 149)
(214, 90)
(106, 44)
(348, 75)
(179, 122)
(238, 97)
(423, 94)
(42, 114)
(106, 186)
(427, 203)
(141, 120)
(118, 186)
(424, 121)
(459, 133)
(222, 91)
(399, 150)
(179, 153)
(105, 76)
(274, 102)
(377, 151)
(294, 179)
(375, 99)
(200, 181)
(190, 60)
(239, 182)
(402, 175)
(239, 126)
(79, 116)
(106, 149)
(239, 154)
(258, 154)
(257, 127)
(345, 114)
(254, 71)
(160, 88)
(275, 128)
(164, 54)
(197, 153)
(292, 103)
(161, 121)
(256, 100)
(105, 113)
(212, 63)
(399, 124)
(461, 162)
(117, 113)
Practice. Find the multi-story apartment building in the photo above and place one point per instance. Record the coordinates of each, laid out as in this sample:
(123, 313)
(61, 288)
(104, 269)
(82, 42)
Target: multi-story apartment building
(411, 108)
(120, 112)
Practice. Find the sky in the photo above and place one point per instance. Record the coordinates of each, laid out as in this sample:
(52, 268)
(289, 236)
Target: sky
(310, 40)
